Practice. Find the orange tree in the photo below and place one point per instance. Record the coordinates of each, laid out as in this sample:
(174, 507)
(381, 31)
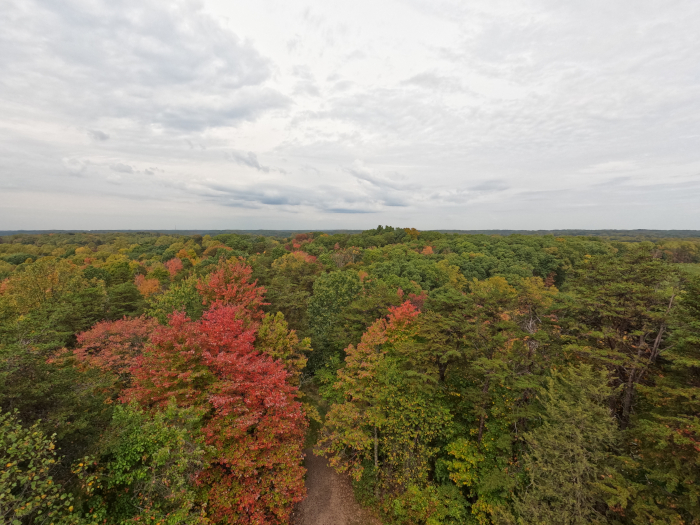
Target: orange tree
(389, 419)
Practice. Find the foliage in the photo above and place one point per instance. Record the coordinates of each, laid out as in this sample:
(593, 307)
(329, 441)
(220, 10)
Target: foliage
(147, 287)
(146, 469)
(253, 421)
(621, 314)
(181, 297)
(468, 378)
(28, 492)
(566, 457)
(331, 293)
(114, 346)
(124, 299)
(290, 283)
(276, 340)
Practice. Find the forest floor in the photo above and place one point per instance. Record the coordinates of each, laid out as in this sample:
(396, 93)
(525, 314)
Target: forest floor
(330, 499)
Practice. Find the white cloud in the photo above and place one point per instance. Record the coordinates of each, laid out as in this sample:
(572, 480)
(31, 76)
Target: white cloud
(436, 114)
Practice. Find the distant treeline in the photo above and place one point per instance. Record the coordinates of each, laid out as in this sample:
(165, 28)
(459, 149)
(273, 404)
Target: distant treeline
(631, 235)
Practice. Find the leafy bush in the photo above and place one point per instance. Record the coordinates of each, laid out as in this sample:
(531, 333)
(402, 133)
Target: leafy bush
(28, 493)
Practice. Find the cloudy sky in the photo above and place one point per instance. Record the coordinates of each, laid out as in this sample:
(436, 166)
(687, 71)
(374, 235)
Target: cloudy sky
(522, 114)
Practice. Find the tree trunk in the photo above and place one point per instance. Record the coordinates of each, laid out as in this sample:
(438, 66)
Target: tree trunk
(627, 400)
(376, 448)
(483, 416)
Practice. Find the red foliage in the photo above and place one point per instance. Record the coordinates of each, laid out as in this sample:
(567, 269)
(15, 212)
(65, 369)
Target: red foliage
(303, 257)
(299, 240)
(229, 285)
(303, 237)
(255, 422)
(173, 266)
(418, 300)
(401, 316)
(114, 346)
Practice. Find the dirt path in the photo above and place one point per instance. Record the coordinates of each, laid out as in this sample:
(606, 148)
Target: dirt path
(329, 499)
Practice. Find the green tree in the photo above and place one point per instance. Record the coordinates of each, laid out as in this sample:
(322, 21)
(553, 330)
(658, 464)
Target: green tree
(568, 454)
(619, 317)
(664, 436)
(124, 300)
(291, 282)
(180, 297)
(331, 293)
(42, 310)
(146, 469)
(28, 492)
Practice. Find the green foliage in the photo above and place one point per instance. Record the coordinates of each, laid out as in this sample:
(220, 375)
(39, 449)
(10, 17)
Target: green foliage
(43, 309)
(100, 274)
(331, 293)
(289, 285)
(569, 454)
(44, 306)
(430, 505)
(471, 378)
(119, 273)
(180, 297)
(665, 434)
(124, 300)
(620, 316)
(18, 258)
(159, 273)
(276, 340)
(28, 492)
(146, 469)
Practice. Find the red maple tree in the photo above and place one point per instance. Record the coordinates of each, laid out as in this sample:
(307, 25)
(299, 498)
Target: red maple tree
(254, 420)
(114, 346)
(173, 266)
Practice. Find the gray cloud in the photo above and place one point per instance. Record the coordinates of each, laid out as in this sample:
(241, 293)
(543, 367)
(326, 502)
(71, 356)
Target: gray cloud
(152, 63)
(96, 134)
(121, 168)
(247, 159)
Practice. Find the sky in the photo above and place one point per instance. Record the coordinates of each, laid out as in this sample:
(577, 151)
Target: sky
(283, 114)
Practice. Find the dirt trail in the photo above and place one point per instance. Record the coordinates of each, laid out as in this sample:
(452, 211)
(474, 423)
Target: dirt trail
(329, 499)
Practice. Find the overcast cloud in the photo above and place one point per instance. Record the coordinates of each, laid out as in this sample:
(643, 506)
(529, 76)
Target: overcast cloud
(324, 114)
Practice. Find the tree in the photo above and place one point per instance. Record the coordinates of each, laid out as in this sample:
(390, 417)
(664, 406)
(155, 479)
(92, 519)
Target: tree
(147, 287)
(293, 276)
(114, 346)
(664, 436)
(331, 293)
(569, 453)
(276, 340)
(145, 469)
(182, 296)
(174, 266)
(620, 316)
(47, 304)
(42, 310)
(28, 492)
(252, 418)
(351, 434)
(124, 299)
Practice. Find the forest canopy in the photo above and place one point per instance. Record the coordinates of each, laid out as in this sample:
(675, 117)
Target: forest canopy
(456, 378)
